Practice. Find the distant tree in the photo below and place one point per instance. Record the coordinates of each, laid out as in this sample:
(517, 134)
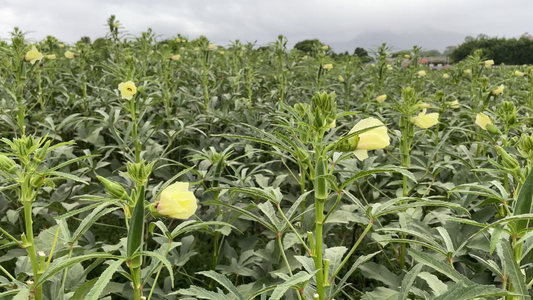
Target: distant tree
(448, 51)
(509, 51)
(306, 45)
(362, 54)
(401, 53)
(431, 53)
(85, 39)
(468, 38)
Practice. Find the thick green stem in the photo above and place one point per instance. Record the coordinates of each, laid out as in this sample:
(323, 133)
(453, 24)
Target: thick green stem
(29, 244)
(319, 212)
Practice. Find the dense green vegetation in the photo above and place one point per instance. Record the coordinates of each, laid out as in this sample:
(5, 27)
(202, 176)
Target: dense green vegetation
(269, 145)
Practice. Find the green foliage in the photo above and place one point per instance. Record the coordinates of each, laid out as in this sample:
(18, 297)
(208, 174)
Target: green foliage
(261, 137)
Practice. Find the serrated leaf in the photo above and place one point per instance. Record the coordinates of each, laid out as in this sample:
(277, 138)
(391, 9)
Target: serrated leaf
(515, 275)
(408, 281)
(298, 278)
(103, 280)
(224, 281)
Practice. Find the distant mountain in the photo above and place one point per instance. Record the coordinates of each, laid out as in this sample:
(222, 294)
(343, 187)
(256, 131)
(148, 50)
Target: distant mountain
(428, 39)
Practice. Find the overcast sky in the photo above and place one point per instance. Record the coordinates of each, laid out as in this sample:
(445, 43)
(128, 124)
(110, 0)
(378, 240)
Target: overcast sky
(223, 21)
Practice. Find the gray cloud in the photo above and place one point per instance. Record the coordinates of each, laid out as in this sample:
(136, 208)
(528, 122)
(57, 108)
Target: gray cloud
(224, 21)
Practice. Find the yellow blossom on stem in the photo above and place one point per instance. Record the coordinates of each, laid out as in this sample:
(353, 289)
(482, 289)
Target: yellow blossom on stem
(376, 138)
(327, 67)
(482, 120)
(175, 57)
(33, 55)
(519, 74)
(69, 55)
(421, 73)
(445, 75)
(381, 98)
(177, 202)
(424, 120)
(489, 63)
(467, 71)
(127, 89)
(454, 104)
(499, 90)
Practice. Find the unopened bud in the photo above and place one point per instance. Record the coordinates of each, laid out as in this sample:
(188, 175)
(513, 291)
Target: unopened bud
(493, 129)
(7, 164)
(116, 190)
(509, 162)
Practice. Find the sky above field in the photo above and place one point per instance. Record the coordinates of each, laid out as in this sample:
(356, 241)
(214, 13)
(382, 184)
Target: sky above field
(262, 21)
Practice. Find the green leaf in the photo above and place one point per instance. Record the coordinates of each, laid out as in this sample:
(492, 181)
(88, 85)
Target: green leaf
(103, 280)
(524, 202)
(56, 267)
(461, 292)
(408, 281)
(201, 293)
(224, 281)
(89, 220)
(360, 260)
(298, 278)
(435, 284)
(334, 254)
(515, 275)
(162, 259)
(439, 266)
(381, 169)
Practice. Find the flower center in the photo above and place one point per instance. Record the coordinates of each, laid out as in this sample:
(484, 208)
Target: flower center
(129, 89)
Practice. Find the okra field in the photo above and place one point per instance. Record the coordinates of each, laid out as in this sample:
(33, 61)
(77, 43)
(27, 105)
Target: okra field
(137, 167)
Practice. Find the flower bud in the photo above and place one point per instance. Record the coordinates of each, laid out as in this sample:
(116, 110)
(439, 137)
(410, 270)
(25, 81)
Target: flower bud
(115, 189)
(493, 129)
(489, 63)
(303, 156)
(509, 162)
(37, 181)
(341, 79)
(139, 172)
(8, 165)
(381, 98)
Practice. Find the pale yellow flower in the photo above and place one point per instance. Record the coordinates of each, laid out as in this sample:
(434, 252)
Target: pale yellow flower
(324, 47)
(407, 56)
(116, 24)
(221, 52)
(489, 63)
(127, 89)
(424, 120)
(376, 138)
(445, 75)
(196, 48)
(69, 55)
(499, 90)
(421, 73)
(519, 74)
(61, 45)
(50, 56)
(175, 57)
(177, 202)
(467, 71)
(211, 47)
(341, 79)
(454, 104)
(304, 57)
(389, 67)
(381, 98)
(482, 120)
(33, 55)
(327, 67)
